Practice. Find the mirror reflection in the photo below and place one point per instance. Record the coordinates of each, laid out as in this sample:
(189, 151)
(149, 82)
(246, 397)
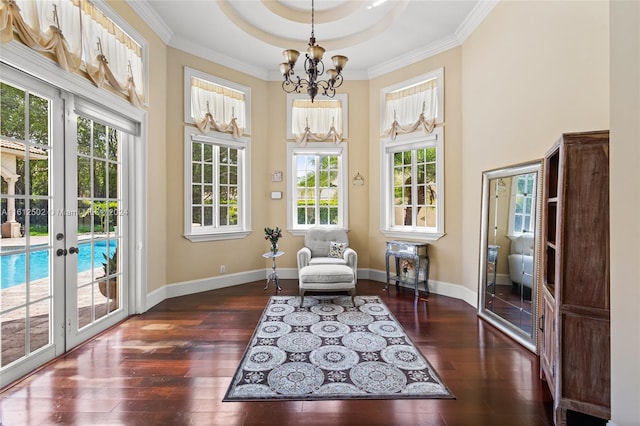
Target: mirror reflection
(508, 284)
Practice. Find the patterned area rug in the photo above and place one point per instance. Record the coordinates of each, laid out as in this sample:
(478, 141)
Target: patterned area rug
(329, 349)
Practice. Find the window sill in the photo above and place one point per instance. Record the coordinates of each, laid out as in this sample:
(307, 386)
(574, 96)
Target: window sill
(301, 232)
(429, 236)
(198, 238)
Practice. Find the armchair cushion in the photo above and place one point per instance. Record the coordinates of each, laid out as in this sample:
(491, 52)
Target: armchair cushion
(336, 249)
(318, 239)
(326, 274)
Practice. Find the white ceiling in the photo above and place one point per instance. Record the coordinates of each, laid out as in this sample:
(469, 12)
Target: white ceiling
(250, 35)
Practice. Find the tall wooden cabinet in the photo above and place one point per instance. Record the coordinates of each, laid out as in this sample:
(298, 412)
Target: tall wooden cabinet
(575, 355)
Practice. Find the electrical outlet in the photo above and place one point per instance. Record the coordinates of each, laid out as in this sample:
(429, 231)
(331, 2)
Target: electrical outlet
(222, 269)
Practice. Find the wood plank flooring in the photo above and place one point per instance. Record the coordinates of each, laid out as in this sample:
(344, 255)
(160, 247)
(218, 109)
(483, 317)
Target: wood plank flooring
(172, 366)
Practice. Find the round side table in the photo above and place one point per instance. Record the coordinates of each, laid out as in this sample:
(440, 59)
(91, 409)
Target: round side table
(273, 276)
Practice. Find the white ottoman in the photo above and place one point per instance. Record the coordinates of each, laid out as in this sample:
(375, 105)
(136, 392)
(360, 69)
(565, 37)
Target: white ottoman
(327, 278)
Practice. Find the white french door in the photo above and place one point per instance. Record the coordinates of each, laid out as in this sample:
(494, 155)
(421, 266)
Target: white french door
(65, 222)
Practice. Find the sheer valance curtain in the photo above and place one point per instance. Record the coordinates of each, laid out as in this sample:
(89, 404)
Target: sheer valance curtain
(80, 38)
(408, 109)
(215, 107)
(318, 121)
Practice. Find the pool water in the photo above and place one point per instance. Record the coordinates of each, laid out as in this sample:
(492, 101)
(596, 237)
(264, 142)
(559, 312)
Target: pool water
(13, 265)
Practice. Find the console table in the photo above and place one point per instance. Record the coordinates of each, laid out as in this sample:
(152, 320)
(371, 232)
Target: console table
(415, 252)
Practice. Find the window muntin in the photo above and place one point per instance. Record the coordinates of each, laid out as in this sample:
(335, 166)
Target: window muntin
(414, 188)
(522, 204)
(216, 196)
(413, 185)
(318, 184)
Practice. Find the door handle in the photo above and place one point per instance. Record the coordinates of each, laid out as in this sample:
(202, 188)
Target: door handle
(73, 250)
(61, 252)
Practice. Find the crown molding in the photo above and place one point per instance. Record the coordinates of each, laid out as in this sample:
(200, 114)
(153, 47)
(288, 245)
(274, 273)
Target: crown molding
(414, 56)
(151, 18)
(474, 19)
(201, 51)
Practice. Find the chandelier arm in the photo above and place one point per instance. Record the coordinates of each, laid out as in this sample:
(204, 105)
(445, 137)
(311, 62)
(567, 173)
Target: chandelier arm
(338, 81)
(313, 68)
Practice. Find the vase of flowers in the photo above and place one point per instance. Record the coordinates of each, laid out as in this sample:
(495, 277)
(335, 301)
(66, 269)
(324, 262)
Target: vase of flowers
(273, 235)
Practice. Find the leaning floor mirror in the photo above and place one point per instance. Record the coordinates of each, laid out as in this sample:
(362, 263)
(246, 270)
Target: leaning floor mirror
(509, 250)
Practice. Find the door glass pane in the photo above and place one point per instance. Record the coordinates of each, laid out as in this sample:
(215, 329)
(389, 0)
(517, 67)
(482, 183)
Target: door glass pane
(25, 248)
(99, 223)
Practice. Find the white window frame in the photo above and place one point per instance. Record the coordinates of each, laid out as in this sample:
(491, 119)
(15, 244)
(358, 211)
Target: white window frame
(214, 233)
(190, 73)
(317, 148)
(512, 232)
(405, 142)
(343, 98)
(402, 143)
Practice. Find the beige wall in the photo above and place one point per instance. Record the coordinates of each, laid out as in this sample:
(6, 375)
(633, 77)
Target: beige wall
(186, 260)
(444, 254)
(531, 71)
(625, 211)
(191, 261)
(156, 196)
(358, 151)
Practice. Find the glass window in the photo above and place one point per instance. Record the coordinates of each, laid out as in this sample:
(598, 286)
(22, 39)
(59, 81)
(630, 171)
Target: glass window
(413, 162)
(318, 184)
(216, 192)
(522, 204)
(413, 194)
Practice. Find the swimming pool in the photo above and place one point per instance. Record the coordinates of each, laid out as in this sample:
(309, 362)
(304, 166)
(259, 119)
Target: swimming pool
(13, 265)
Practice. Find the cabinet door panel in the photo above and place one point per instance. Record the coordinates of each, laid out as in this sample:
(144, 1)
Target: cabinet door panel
(585, 365)
(586, 228)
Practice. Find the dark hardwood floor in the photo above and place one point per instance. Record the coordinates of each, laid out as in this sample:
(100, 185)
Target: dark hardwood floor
(172, 366)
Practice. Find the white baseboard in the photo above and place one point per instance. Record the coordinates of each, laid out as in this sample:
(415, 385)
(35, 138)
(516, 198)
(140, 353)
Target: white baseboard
(213, 283)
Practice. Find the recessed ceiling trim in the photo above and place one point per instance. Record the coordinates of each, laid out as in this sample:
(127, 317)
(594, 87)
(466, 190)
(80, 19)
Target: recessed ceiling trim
(329, 44)
(304, 16)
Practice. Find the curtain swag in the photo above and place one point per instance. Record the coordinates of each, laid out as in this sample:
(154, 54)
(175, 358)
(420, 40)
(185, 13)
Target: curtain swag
(410, 108)
(53, 42)
(209, 101)
(208, 124)
(332, 135)
(323, 116)
(396, 129)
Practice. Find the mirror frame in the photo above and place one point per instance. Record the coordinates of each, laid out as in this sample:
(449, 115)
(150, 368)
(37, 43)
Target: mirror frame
(510, 329)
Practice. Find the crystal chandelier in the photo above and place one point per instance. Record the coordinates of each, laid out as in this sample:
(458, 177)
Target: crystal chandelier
(313, 67)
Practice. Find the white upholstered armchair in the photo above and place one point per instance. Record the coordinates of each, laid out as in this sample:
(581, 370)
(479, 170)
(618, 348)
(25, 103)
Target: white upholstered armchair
(317, 245)
(326, 262)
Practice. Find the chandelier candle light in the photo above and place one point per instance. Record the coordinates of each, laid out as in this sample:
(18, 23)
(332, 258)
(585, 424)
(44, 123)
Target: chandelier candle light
(313, 67)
